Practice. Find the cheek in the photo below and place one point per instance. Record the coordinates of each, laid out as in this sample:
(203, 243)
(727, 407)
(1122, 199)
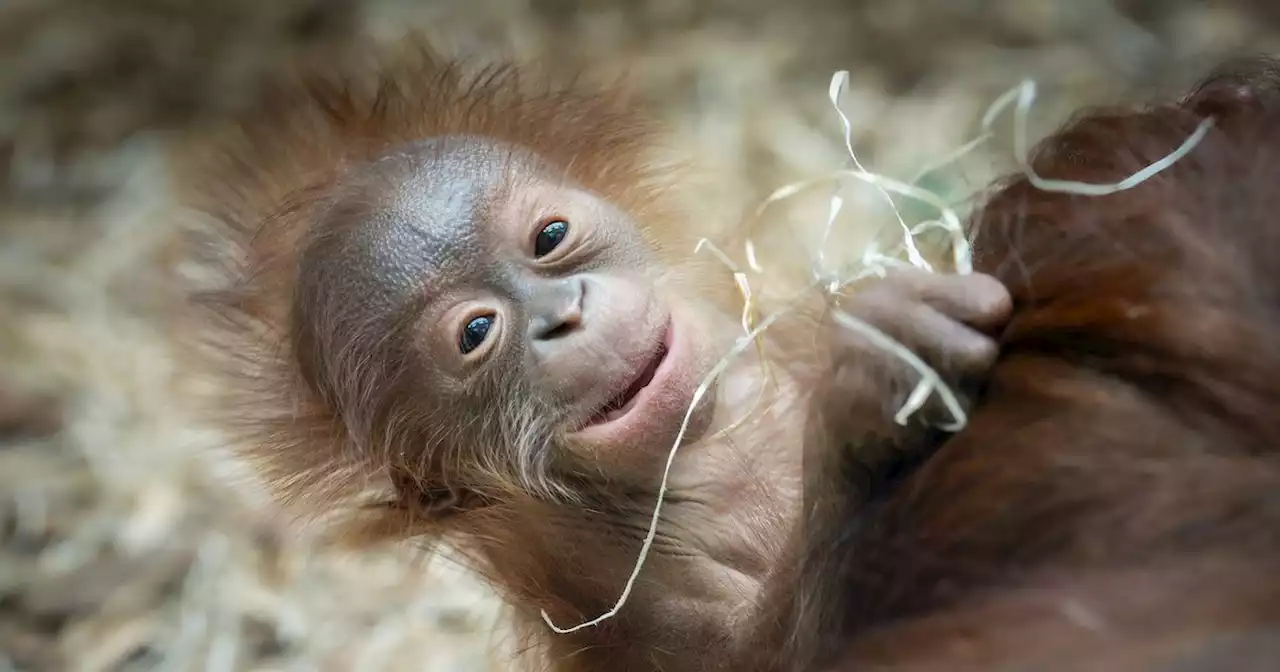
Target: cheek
(621, 254)
(622, 307)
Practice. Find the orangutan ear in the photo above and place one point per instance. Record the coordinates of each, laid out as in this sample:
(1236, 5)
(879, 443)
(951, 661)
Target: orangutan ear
(432, 501)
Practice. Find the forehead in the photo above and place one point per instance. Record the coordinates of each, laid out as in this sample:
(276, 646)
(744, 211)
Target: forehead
(414, 217)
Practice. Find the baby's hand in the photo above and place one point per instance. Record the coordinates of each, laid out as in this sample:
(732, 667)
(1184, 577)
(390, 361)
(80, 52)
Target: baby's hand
(945, 320)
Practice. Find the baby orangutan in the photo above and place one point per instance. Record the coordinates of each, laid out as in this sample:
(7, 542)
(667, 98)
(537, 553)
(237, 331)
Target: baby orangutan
(476, 298)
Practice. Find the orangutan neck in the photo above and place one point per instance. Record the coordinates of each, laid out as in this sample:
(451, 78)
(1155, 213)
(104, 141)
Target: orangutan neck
(725, 522)
(689, 607)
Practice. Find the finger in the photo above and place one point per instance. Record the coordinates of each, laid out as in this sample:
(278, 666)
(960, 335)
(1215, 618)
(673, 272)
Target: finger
(950, 347)
(978, 300)
(934, 336)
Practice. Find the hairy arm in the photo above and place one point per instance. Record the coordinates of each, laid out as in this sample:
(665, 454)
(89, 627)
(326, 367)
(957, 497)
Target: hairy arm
(854, 447)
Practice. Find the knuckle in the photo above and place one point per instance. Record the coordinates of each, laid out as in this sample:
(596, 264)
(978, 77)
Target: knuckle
(990, 297)
(980, 354)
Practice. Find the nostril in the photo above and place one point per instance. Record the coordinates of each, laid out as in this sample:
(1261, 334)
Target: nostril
(558, 331)
(550, 329)
(556, 309)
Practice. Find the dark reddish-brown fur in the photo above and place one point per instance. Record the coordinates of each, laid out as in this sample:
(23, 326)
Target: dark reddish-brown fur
(1114, 503)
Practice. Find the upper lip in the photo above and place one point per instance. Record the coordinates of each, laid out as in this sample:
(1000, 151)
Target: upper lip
(640, 377)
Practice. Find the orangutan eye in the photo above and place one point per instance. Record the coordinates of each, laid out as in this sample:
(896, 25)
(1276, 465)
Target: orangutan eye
(550, 237)
(474, 333)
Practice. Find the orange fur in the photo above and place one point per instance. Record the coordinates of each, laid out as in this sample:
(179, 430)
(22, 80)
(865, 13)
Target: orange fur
(375, 469)
(258, 188)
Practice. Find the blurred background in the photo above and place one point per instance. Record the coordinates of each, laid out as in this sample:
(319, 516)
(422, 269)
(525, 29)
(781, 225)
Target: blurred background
(126, 544)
